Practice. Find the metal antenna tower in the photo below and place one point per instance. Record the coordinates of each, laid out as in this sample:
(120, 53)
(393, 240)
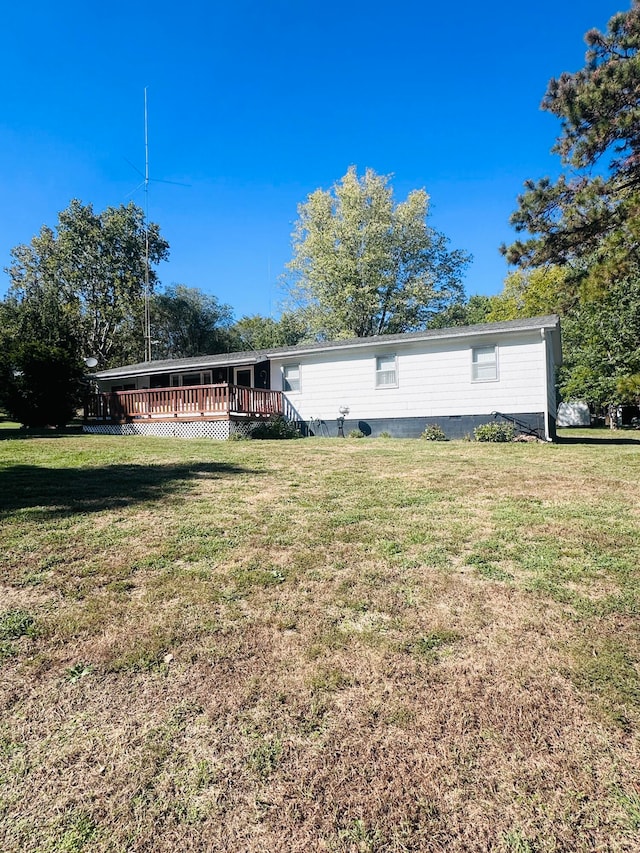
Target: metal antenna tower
(147, 291)
(147, 262)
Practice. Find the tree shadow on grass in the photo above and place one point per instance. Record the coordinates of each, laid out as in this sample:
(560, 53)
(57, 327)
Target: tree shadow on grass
(72, 491)
(600, 441)
(15, 433)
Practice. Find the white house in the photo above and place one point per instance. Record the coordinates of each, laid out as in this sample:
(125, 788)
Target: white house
(457, 377)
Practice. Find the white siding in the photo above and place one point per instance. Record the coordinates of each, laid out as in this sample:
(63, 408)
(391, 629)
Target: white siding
(434, 379)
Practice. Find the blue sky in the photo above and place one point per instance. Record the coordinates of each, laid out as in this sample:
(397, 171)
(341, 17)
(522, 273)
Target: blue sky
(256, 103)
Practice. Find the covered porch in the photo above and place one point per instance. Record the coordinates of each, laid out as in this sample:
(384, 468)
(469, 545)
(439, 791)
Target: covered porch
(223, 401)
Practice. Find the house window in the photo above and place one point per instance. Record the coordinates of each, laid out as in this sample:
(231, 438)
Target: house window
(386, 371)
(202, 377)
(291, 377)
(160, 380)
(484, 364)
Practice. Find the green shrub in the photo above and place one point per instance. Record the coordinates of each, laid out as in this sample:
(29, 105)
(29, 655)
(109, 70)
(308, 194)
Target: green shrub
(276, 428)
(494, 431)
(434, 432)
(384, 434)
(39, 383)
(356, 433)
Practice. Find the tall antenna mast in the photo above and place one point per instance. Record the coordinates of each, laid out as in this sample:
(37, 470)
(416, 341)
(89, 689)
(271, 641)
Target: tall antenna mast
(147, 291)
(146, 324)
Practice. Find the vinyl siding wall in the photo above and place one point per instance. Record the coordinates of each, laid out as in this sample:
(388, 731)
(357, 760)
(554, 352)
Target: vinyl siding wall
(434, 380)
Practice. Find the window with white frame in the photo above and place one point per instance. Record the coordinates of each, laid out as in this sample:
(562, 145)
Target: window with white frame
(386, 371)
(484, 364)
(291, 377)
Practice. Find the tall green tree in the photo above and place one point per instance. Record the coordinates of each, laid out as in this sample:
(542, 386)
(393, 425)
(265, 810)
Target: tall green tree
(587, 222)
(533, 293)
(187, 322)
(257, 332)
(40, 384)
(601, 344)
(37, 308)
(84, 281)
(465, 312)
(365, 265)
(601, 333)
(590, 216)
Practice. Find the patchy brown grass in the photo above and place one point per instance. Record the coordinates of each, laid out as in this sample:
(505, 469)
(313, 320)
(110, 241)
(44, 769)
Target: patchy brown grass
(319, 645)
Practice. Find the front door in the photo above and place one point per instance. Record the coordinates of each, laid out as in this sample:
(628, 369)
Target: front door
(244, 376)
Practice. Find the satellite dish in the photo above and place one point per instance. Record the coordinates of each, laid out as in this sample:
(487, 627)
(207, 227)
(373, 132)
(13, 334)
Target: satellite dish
(91, 361)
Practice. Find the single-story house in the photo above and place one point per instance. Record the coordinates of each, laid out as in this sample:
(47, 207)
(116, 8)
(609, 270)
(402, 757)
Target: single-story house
(457, 378)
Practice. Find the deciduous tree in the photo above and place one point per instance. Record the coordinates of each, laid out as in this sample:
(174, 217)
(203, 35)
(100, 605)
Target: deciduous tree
(600, 332)
(532, 293)
(463, 313)
(365, 265)
(257, 332)
(601, 343)
(85, 281)
(187, 322)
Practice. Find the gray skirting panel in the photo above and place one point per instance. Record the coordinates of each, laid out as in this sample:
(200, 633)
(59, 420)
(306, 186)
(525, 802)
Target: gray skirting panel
(454, 426)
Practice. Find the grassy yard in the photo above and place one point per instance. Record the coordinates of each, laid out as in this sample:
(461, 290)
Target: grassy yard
(319, 645)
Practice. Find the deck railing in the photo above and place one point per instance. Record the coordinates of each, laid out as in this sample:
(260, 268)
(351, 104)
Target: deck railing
(192, 402)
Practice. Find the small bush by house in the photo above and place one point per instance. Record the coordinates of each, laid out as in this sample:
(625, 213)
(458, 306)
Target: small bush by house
(278, 428)
(434, 432)
(494, 431)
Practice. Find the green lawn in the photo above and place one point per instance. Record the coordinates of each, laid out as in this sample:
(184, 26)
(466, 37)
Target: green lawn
(319, 645)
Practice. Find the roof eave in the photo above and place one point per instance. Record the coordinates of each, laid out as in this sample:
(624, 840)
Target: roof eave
(178, 365)
(548, 322)
(481, 329)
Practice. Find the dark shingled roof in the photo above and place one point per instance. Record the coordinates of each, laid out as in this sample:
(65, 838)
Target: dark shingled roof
(550, 321)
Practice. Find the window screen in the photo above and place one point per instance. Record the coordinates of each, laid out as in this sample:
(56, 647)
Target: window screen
(291, 377)
(386, 373)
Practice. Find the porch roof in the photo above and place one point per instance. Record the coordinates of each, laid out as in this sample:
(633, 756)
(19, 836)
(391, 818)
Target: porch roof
(549, 322)
(181, 365)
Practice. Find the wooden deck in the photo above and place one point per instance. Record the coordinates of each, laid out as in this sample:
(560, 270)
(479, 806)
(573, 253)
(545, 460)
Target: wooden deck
(197, 402)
